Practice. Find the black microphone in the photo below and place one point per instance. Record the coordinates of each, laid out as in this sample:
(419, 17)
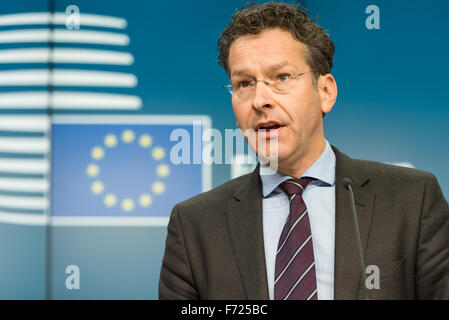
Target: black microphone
(348, 185)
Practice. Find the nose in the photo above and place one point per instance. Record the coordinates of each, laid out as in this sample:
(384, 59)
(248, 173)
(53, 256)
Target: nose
(262, 96)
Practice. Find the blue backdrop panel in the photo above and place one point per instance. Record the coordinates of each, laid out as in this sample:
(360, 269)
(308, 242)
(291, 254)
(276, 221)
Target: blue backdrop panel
(23, 266)
(391, 104)
(114, 262)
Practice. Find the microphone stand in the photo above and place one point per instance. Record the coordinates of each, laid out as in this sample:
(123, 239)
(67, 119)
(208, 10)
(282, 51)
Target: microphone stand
(348, 184)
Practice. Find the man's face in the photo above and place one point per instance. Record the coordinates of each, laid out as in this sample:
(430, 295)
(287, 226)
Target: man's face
(296, 114)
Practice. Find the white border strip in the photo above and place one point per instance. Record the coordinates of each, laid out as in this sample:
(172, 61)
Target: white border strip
(24, 166)
(66, 55)
(21, 202)
(43, 220)
(23, 218)
(24, 185)
(109, 221)
(64, 36)
(71, 100)
(35, 123)
(124, 119)
(57, 18)
(93, 101)
(25, 145)
(67, 77)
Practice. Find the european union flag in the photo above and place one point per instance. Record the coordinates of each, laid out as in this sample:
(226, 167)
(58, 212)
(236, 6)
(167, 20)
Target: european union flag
(119, 166)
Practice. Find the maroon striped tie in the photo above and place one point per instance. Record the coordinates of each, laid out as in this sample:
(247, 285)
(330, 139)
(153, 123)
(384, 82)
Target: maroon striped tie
(295, 276)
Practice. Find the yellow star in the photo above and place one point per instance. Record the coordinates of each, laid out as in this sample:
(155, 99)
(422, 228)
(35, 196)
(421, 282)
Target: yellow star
(163, 170)
(97, 187)
(158, 187)
(145, 141)
(145, 200)
(110, 140)
(158, 153)
(127, 204)
(110, 200)
(92, 170)
(128, 136)
(97, 153)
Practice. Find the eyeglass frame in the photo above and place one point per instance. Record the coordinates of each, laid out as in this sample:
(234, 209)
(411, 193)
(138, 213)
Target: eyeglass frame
(230, 87)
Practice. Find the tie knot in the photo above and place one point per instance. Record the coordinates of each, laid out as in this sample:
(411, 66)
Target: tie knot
(295, 186)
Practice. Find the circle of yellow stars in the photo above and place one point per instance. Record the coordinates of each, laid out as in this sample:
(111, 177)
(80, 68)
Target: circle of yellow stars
(111, 200)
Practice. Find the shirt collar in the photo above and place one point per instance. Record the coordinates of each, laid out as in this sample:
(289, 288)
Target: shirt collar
(323, 169)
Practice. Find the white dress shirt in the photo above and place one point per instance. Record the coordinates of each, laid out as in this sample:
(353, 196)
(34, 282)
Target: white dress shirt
(319, 197)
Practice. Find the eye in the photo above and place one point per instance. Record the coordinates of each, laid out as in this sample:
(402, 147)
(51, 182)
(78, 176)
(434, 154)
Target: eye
(283, 77)
(243, 84)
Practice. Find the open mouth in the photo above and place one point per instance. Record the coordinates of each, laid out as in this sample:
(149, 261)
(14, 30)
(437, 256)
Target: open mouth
(269, 126)
(273, 127)
(269, 130)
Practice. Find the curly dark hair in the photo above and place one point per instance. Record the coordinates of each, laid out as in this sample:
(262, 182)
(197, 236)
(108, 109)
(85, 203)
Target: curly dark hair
(254, 17)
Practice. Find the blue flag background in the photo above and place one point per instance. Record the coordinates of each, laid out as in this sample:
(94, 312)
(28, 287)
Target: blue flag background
(133, 176)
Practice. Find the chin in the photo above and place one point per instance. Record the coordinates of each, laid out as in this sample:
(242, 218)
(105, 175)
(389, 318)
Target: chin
(276, 160)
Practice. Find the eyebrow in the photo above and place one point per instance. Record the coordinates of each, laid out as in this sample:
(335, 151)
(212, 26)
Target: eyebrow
(272, 68)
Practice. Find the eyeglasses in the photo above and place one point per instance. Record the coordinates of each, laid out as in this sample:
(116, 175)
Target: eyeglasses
(244, 89)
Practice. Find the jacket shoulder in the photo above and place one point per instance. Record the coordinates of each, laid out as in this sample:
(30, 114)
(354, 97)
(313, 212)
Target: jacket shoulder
(217, 196)
(390, 171)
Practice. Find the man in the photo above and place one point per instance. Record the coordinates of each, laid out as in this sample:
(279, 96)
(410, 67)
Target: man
(291, 234)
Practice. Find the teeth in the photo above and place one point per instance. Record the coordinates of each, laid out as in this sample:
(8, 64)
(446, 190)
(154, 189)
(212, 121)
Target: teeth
(269, 125)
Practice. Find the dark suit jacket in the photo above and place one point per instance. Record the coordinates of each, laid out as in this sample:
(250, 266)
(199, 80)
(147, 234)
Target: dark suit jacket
(215, 249)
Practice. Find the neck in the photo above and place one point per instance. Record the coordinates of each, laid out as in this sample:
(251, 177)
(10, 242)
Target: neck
(297, 168)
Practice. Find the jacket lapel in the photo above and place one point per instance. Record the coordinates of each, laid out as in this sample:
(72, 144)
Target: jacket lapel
(347, 276)
(245, 227)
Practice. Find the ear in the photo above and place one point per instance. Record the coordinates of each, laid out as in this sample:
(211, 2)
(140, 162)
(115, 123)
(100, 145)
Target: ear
(327, 88)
